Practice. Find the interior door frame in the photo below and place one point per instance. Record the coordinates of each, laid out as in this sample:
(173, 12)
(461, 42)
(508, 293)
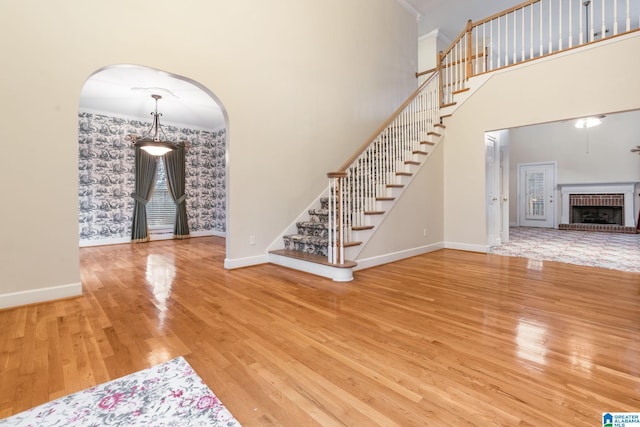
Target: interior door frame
(497, 186)
(554, 182)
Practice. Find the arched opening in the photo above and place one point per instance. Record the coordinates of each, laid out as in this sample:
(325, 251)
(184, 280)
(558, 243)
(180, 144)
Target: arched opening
(115, 102)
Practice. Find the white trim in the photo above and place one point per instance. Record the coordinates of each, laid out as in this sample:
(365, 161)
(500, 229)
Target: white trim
(411, 9)
(102, 242)
(33, 296)
(152, 236)
(145, 120)
(230, 264)
(519, 196)
(466, 247)
(337, 274)
(626, 188)
(206, 233)
(278, 242)
(396, 256)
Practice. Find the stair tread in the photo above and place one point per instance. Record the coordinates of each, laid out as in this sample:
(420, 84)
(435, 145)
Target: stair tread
(427, 143)
(318, 259)
(404, 174)
(362, 227)
(451, 104)
(411, 162)
(460, 91)
(395, 185)
(382, 199)
(315, 224)
(424, 153)
(432, 133)
(374, 212)
(439, 125)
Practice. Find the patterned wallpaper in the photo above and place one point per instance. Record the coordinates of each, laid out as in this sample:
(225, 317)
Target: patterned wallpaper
(106, 176)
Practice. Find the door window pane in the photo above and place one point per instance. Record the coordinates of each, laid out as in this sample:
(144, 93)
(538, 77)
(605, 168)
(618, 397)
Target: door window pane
(535, 194)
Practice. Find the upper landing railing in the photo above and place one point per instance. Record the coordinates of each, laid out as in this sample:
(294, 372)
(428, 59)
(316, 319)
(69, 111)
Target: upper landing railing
(531, 30)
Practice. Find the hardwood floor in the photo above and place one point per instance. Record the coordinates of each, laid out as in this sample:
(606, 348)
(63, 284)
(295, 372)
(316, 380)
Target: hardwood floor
(449, 338)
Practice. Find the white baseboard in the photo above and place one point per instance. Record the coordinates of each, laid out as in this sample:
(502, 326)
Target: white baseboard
(467, 247)
(153, 236)
(208, 233)
(15, 299)
(396, 256)
(102, 242)
(230, 264)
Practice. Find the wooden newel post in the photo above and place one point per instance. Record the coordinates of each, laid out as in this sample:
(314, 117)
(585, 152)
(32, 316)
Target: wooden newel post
(469, 50)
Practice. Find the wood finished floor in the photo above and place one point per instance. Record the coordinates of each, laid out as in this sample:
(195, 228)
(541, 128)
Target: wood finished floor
(448, 338)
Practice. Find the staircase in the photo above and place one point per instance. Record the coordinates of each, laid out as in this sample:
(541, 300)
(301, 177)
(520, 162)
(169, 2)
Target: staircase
(329, 237)
(334, 230)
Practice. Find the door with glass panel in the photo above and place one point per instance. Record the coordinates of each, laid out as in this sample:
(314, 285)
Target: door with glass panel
(536, 190)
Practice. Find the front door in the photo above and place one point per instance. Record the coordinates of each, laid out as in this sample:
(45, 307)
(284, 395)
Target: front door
(536, 189)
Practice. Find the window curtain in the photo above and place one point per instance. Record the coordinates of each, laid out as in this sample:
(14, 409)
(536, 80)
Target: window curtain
(145, 180)
(174, 165)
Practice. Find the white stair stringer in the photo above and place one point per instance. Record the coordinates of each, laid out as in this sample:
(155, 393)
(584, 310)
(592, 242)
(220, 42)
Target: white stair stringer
(472, 84)
(337, 274)
(352, 252)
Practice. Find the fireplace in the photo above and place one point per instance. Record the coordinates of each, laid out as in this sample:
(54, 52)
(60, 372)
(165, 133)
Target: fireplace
(599, 207)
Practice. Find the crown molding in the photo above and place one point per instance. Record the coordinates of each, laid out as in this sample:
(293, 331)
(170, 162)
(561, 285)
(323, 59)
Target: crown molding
(415, 12)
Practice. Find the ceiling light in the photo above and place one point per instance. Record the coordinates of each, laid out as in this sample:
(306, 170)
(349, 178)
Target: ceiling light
(588, 122)
(153, 144)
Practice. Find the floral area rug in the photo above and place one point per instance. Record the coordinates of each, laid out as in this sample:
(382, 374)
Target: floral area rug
(170, 394)
(615, 251)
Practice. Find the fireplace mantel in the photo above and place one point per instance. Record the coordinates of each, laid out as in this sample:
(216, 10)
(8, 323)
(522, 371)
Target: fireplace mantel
(627, 188)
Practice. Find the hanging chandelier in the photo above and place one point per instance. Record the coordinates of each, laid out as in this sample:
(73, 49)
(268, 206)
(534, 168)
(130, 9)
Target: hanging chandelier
(151, 142)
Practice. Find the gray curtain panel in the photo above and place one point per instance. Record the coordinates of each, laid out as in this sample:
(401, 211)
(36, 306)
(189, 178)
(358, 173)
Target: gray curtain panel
(174, 164)
(146, 169)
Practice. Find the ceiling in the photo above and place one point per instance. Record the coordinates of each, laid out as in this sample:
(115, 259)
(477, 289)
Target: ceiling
(126, 90)
(450, 17)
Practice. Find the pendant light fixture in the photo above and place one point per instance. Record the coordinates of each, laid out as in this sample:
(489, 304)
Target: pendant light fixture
(151, 142)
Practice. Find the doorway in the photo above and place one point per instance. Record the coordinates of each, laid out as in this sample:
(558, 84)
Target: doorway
(497, 186)
(536, 194)
(115, 102)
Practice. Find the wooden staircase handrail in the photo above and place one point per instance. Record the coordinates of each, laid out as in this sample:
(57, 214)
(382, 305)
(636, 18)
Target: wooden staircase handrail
(342, 169)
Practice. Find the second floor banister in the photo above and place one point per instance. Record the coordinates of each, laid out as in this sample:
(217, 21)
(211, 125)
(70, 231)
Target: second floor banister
(528, 31)
(368, 176)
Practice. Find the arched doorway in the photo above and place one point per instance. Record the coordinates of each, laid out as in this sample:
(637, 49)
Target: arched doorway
(115, 102)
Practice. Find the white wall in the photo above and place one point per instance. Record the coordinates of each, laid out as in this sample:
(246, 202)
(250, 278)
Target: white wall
(537, 92)
(418, 212)
(429, 45)
(303, 84)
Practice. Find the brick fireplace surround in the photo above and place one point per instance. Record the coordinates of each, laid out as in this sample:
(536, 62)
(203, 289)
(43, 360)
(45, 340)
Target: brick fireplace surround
(615, 195)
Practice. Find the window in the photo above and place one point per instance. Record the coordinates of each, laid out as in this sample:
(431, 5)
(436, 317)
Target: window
(161, 210)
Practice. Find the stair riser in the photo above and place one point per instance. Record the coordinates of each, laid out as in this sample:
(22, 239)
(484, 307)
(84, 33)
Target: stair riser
(317, 229)
(305, 246)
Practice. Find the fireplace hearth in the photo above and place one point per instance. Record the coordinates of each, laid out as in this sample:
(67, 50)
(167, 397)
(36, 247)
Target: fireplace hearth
(598, 207)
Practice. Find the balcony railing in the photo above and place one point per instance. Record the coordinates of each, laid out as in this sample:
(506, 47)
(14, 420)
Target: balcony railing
(531, 30)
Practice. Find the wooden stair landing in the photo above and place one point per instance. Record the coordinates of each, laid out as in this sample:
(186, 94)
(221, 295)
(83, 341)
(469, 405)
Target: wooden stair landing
(318, 259)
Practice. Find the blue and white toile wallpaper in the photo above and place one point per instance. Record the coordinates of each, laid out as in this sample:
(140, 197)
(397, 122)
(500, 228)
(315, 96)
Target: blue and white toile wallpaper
(106, 181)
